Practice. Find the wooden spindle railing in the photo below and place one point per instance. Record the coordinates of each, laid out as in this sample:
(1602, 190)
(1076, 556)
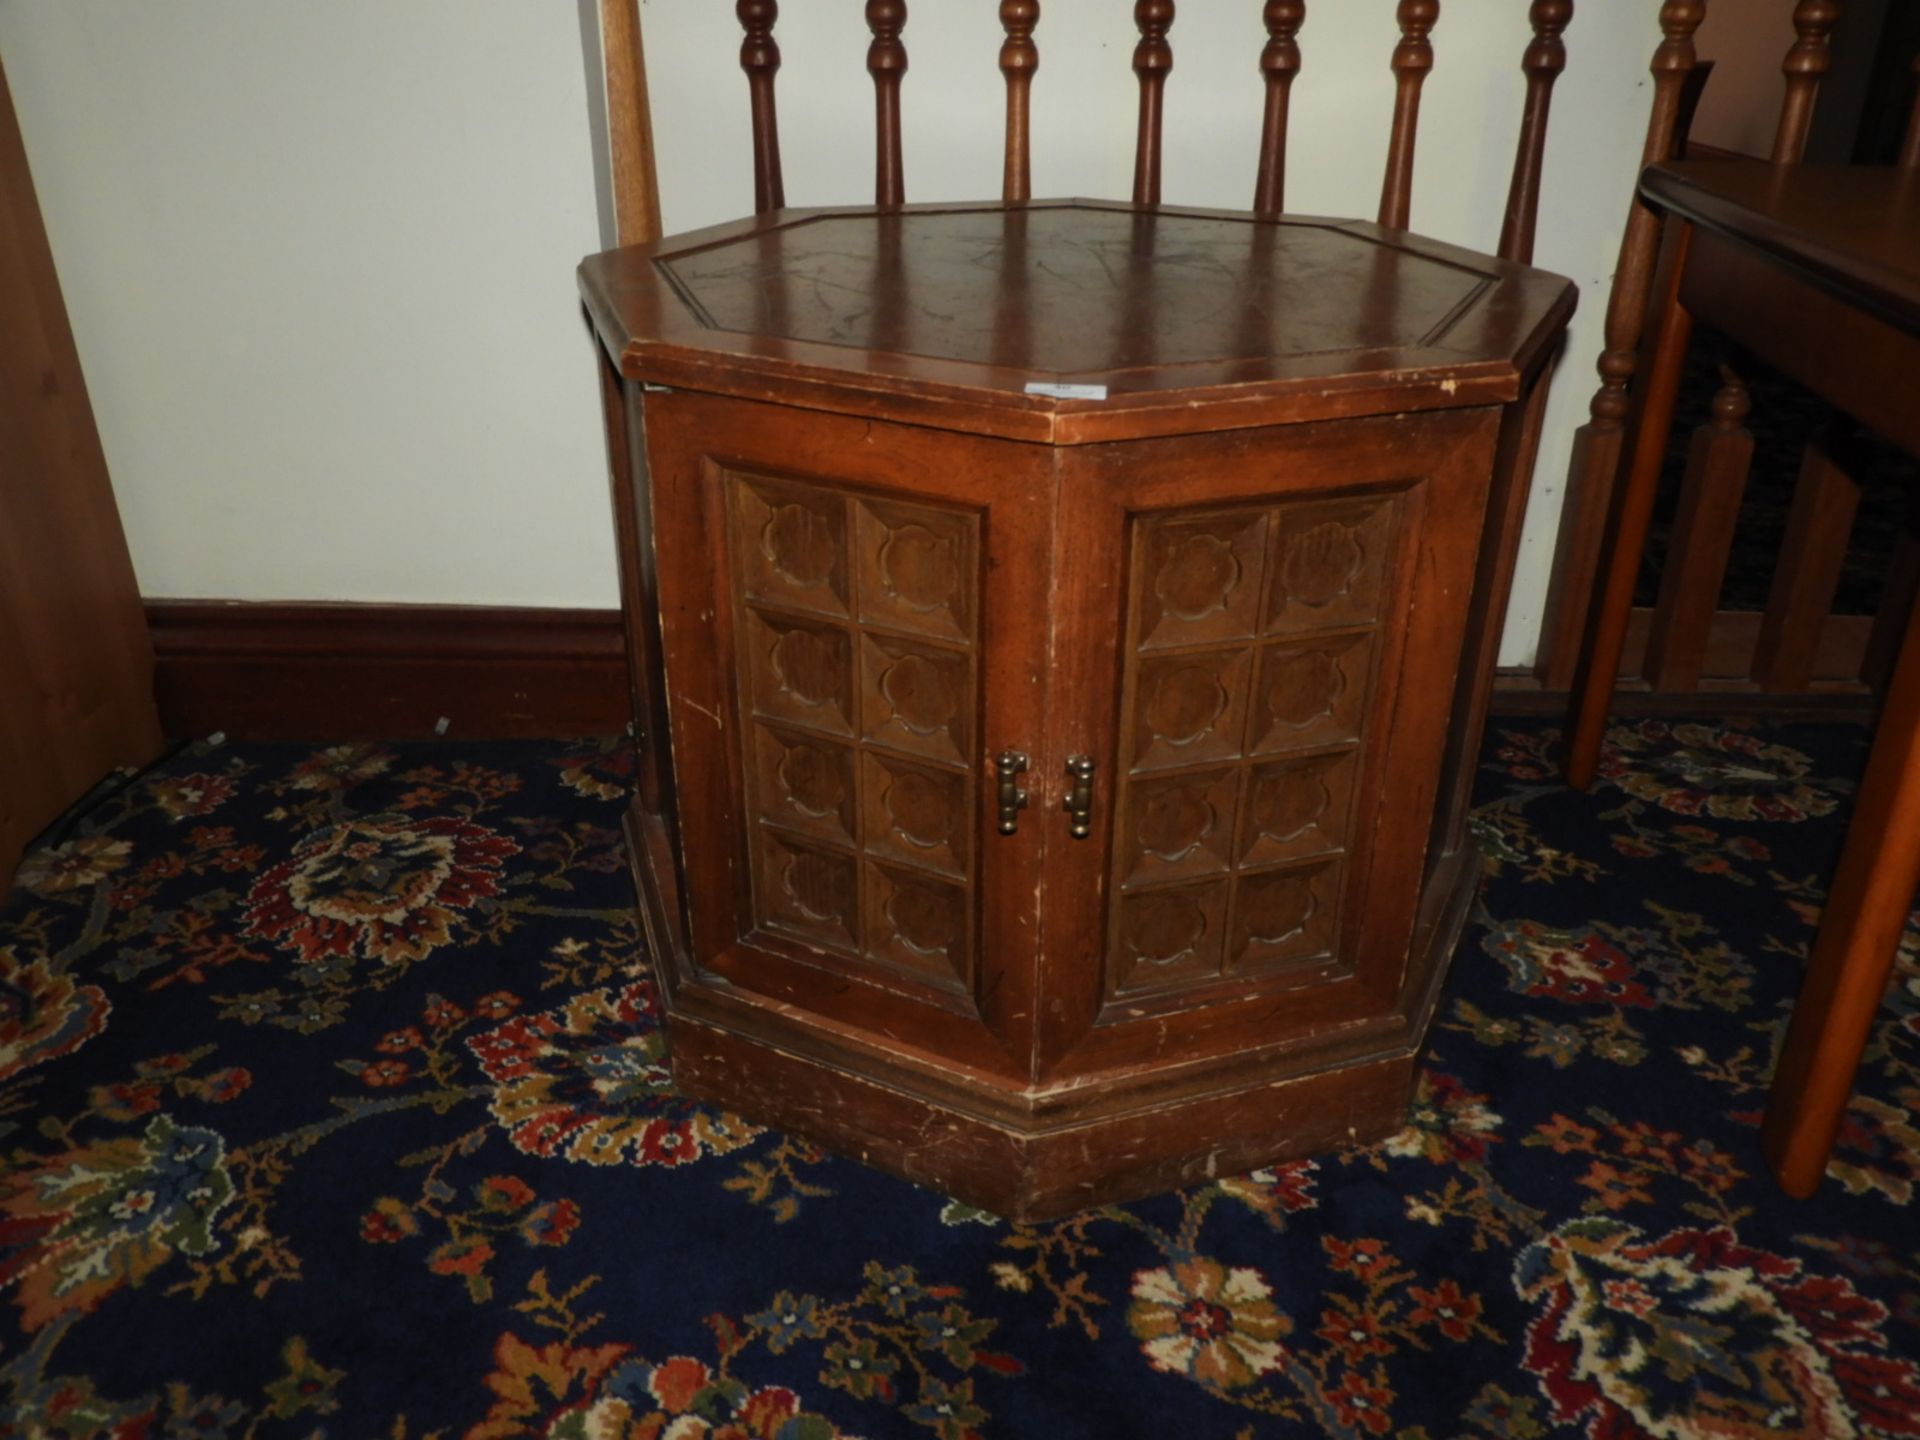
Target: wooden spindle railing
(1019, 59)
(1812, 558)
(1595, 464)
(887, 63)
(760, 58)
(1718, 460)
(1546, 57)
(1279, 63)
(1152, 62)
(1805, 66)
(1412, 60)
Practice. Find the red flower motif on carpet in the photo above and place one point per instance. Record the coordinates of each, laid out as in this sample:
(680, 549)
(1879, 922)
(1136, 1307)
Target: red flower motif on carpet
(589, 1081)
(384, 889)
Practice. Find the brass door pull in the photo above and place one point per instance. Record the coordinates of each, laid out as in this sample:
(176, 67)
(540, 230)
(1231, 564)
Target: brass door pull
(1079, 800)
(1011, 765)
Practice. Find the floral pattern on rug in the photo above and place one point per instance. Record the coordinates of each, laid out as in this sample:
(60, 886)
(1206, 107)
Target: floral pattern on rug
(334, 1103)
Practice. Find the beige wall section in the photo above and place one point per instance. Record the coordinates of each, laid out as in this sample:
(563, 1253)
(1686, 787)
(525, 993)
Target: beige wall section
(320, 256)
(1746, 40)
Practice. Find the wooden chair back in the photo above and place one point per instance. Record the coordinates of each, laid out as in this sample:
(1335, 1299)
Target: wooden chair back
(1279, 64)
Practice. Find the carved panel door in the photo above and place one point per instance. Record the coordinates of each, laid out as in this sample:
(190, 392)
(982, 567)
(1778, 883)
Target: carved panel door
(861, 625)
(1266, 699)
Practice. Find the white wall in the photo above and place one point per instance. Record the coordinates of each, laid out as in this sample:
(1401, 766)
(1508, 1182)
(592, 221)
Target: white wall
(1741, 107)
(319, 257)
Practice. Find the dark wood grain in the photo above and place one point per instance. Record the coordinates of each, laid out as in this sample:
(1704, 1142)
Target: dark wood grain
(1412, 60)
(386, 672)
(1152, 63)
(1853, 952)
(760, 58)
(76, 663)
(1910, 147)
(1019, 61)
(887, 63)
(1279, 63)
(1546, 57)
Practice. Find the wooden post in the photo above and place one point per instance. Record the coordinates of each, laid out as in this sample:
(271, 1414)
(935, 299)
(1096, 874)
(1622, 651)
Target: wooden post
(1806, 63)
(1279, 63)
(1152, 62)
(1718, 461)
(1819, 525)
(1595, 465)
(887, 63)
(760, 58)
(636, 186)
(1019, 59)
(1546, 57)
(1412, 60)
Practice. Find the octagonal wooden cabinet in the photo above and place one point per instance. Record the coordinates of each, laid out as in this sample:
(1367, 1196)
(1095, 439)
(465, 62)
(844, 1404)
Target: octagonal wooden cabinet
(1058, 795)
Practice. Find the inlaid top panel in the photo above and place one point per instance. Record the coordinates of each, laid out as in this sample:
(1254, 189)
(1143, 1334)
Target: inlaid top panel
(957, 310)
(1072, 291)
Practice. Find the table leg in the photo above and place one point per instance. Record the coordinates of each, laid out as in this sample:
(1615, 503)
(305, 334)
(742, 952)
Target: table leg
(1606, 636)
(1853, 951)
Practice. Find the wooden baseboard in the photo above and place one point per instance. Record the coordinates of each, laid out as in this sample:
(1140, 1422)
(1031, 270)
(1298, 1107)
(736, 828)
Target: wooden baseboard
(386, 672)
(1726, 687)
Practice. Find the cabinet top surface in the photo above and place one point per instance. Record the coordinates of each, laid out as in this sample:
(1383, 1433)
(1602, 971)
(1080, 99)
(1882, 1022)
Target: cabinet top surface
(1163, 308)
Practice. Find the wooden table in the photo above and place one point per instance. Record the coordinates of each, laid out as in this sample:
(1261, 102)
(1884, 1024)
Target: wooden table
(1817, 271)
(1059, 796)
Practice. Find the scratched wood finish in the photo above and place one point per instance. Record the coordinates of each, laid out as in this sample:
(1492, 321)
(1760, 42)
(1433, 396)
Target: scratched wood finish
(1807, 63)
(1412, 61)
(887, 63)
(1543, 63)
(1152, 63)
(1347, 317)
(878, 563)
(1594, 465)
(1279, 63)
(760, 58)
(1019, 60)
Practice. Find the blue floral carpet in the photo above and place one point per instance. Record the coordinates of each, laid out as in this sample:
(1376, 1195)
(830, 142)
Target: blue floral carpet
(332, 1104)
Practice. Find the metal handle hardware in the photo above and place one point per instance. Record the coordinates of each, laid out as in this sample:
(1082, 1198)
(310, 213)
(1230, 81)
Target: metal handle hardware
(1011, 765)
(1079, 800)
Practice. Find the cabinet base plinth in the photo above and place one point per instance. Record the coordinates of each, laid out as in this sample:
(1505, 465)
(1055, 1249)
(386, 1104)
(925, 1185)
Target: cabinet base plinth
(1055, 1166)
(1043, 1175)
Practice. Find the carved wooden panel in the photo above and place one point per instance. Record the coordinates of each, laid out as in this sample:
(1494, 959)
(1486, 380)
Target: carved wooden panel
(1251, 641)
(857, 622)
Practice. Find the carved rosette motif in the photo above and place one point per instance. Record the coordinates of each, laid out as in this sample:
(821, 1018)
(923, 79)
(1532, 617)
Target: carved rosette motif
(1251, 641)
(856, 626)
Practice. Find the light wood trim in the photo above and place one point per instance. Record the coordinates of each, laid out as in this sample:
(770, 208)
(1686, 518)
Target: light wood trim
(636, 184)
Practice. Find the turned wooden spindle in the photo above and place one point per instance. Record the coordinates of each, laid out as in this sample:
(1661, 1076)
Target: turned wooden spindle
(1718, 459)
(1412, 59)
(1546, 57)
(1152, 61)
(760, 58)
(1595, 463)
(1019, 59)
(887, 63)
(1806, 64)
(1910, 150)
(1279, 63)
